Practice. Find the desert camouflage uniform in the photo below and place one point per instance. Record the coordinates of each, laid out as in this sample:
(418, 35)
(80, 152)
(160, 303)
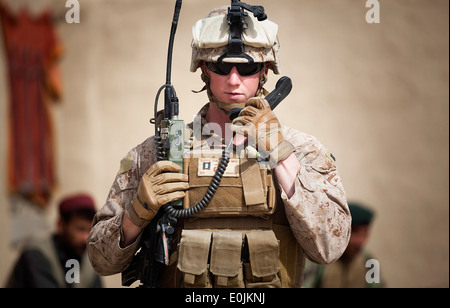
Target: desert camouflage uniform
(317, 213)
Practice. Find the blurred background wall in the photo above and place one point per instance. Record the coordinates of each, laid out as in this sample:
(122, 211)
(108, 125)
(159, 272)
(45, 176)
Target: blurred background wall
(375, 94)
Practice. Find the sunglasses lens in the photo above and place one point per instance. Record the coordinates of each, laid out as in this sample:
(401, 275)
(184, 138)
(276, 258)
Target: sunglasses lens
(243, 69)
(219, 68)
(249, 69)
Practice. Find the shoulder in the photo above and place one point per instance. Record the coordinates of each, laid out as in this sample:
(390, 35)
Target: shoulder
(35, 255)
(32, 256)
(141, 156)
(30, 263)
(310, 150)
(306, 143)
(43, 244)
(297, 136)
(143, 150)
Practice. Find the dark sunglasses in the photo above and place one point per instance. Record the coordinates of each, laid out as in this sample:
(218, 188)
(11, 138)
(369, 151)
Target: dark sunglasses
(244, 69)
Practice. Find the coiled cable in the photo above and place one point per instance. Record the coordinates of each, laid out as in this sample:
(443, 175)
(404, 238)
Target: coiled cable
(212, 188)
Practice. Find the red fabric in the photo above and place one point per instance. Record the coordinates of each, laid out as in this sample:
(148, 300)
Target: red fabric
(76, 202)
(32, 49)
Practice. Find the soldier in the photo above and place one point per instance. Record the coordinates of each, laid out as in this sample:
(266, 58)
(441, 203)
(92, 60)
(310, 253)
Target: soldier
(264, 219)
(60, 260)
(352, 270)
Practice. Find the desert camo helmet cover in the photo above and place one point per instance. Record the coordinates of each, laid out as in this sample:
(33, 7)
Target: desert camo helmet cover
(211, 37)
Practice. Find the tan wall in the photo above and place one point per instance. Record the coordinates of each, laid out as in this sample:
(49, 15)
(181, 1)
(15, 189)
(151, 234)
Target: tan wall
(375, 94)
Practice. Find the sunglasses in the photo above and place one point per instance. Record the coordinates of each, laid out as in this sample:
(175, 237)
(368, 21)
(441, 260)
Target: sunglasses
(244, 69)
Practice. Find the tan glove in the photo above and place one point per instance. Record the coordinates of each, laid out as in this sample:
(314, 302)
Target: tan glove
(161, 184)
(257, 121)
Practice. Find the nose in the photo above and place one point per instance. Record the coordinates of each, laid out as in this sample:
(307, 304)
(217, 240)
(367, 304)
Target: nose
(359, 239)
(85, 235)
(234, 78)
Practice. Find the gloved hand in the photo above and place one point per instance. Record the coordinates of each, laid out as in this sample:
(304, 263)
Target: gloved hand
(161, 184)
(258, 122)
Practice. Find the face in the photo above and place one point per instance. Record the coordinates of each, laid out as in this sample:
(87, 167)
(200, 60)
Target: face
(357, 241)
(75, 232)
(233, 88)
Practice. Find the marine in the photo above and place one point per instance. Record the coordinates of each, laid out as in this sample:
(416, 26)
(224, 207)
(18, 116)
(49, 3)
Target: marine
(270, 212)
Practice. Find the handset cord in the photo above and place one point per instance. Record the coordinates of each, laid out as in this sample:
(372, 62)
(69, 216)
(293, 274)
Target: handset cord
(212, 188)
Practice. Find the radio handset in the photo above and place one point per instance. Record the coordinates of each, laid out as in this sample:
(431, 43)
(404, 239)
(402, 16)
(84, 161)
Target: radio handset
(274, 98)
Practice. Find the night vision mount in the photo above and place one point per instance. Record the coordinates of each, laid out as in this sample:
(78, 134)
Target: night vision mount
(236, 20)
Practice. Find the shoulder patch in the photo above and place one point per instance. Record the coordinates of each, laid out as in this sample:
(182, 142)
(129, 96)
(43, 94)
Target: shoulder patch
(126, 164)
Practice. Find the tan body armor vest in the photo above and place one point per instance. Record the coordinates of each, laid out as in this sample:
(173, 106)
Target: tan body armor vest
(242, 238)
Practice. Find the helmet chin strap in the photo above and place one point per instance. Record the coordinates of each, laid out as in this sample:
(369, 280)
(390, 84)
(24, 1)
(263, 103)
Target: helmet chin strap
(226, 107)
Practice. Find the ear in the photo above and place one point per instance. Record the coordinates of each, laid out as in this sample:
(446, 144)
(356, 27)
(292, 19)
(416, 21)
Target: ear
(204, 68)
(60, 226)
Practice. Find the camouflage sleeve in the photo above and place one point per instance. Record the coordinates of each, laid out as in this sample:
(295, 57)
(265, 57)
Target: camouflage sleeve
(105, 253)
(317, 212)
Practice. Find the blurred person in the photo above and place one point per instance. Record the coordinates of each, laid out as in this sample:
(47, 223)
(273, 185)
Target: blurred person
(351, 270)
(60, 260)
(266, 217)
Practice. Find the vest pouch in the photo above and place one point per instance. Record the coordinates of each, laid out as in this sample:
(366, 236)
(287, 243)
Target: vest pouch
(193, 258)
(262, 271)
(225, 264)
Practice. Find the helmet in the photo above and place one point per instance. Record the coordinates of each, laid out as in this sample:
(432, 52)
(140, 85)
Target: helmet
(211, 36)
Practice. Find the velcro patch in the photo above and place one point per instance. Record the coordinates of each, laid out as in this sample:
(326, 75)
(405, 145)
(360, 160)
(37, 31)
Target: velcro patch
(126, 164)
(208, 167)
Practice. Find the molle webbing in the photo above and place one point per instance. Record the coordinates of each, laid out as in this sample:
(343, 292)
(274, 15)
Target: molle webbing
(238, 223)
